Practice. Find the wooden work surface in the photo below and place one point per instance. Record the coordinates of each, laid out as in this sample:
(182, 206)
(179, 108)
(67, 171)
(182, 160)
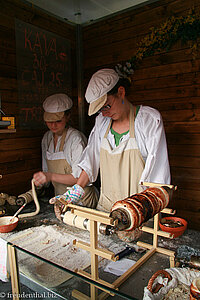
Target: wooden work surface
(133, 286)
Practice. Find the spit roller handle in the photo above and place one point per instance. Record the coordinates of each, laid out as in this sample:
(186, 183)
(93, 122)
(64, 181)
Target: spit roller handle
(125, 252)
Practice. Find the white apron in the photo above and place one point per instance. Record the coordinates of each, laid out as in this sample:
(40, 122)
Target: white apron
(57, 163)
(121, 168)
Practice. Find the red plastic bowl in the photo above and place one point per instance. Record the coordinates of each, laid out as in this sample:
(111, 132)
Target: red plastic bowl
(175, 231)
(6, 225)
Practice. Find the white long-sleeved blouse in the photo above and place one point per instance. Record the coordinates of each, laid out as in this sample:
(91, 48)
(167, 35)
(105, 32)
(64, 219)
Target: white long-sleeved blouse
(75, 143)
(151, 140)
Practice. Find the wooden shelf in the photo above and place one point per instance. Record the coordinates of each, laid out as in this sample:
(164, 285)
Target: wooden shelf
(7, 130)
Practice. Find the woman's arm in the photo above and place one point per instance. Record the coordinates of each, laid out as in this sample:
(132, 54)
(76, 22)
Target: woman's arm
(75, 193)
(90, 160)
(153, 137)
(83, 179)
(44, 177)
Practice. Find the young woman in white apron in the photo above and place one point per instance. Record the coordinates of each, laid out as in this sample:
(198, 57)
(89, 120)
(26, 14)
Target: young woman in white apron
(141, 154)
(62, 147)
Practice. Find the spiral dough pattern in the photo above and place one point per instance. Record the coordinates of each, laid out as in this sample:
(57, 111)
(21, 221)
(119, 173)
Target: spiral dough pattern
(143, 206)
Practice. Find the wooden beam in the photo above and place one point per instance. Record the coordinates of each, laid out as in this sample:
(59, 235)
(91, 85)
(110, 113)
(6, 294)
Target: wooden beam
(110, 285)
(132, 269)
(7, 130)
(89, 210)
(98, 251)
(155, 229)
(80, 296)
(158, 249)
(152, 184)
(95, 217)
(14, 272)
(169, 211)
(159, 232)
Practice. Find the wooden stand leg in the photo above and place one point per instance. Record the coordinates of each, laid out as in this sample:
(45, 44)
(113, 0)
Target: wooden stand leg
(152, 249)
(155, 226)
(95, 251)
(94, 258)
(80, 296)
(94, 217)
(93, 245)
(132, 269)
(13, 272)
(172, 261)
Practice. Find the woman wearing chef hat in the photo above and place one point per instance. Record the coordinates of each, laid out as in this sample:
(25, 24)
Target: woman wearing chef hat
(62, 147)
(127, 143)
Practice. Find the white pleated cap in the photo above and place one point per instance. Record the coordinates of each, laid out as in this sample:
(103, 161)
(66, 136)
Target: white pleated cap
(55, 107)
(99, 85)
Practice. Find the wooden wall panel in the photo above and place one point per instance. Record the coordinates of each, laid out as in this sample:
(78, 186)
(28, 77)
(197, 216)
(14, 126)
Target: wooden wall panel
(20, 154)
(168, 81)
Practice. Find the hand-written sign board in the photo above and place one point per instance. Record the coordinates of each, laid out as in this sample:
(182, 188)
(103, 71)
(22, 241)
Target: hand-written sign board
(43, 68)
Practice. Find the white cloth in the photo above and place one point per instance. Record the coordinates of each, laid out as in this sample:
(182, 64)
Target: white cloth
(150, 137)
(3, 260)
(179, 276)
(119, 267)
(75, 142)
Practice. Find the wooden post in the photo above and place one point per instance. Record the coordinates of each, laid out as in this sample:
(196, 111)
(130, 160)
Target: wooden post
(152, 184)
(13, 272)
(94, 217)
(155, 226)
(94, 258)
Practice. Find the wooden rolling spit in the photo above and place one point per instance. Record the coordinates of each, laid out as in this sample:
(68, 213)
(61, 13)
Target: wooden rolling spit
(131, 212)
(135, 210)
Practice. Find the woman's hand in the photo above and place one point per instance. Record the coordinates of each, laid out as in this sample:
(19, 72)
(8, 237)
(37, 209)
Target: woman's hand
(73, 196)
(41, 178)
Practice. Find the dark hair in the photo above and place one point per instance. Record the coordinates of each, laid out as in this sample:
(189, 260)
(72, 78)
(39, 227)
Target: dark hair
(121, 82)
(67, 112)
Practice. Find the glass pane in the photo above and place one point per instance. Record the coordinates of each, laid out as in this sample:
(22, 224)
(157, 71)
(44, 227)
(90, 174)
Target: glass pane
(42, 279)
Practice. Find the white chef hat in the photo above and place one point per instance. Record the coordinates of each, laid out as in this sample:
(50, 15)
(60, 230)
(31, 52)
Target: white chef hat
(99, 85)
(55, 107)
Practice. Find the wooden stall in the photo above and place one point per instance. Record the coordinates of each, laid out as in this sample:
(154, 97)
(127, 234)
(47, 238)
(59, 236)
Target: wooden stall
(167, 81)
(20, 154)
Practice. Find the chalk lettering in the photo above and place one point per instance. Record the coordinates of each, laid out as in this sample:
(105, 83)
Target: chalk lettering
(27, 39)
(49, 48)
(32, 113)
(59, 80)
(35, 61)
(43, 69)
(35, 77)
(37, 43)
